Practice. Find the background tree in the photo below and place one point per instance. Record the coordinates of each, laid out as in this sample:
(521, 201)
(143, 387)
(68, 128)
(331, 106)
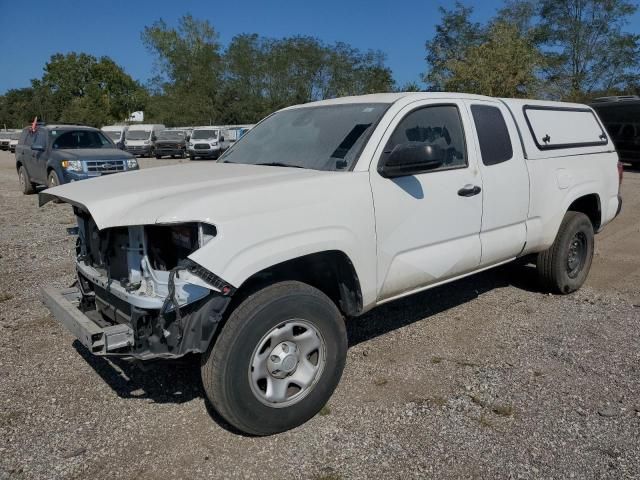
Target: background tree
(189, 67)
(504, 65)
(589, 49)
(454, 35)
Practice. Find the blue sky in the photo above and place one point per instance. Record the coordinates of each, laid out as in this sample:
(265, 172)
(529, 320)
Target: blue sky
(30, 35)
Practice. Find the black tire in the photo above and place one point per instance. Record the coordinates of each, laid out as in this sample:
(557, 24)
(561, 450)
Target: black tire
(28, 187)
(158, 157)
(52, 179)
(183, 154)
(226, 367)
(564, 267)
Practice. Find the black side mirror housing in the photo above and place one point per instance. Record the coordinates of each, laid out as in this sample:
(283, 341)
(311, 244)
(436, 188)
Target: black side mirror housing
(411, 159)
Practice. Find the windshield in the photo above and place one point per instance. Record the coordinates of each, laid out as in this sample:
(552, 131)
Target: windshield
(112, 134)
(138, 134)
(204, 134)
(171, 135)
(74, 139)
(320, 138)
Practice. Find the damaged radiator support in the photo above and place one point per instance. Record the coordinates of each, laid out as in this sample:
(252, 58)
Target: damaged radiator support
(139, 291)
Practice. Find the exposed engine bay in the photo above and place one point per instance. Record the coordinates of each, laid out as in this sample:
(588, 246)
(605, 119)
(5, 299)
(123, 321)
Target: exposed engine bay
(141, 276)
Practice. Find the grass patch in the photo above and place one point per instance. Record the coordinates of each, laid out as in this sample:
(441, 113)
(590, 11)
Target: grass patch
(324, 411)
(485, 422)
(503, 410)
(5, 296)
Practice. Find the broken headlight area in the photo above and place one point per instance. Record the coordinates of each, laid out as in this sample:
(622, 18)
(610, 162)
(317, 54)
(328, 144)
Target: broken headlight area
(141, 276)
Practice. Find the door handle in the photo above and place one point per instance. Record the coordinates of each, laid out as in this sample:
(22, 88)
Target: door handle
(469, 190)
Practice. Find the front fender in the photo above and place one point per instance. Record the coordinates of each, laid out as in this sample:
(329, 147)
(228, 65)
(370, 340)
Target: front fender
(242, 261)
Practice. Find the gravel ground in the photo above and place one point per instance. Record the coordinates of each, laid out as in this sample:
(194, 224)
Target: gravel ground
(486, 377)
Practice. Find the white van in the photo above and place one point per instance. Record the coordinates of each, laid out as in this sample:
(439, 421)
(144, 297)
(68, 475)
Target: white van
(116, 133)
(140, 139)
(208, 142)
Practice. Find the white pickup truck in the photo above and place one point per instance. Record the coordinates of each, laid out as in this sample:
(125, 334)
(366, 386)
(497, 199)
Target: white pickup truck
(322, 212)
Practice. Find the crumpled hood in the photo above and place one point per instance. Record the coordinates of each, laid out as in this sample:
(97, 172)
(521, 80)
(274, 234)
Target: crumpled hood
(205, 192)
(94, 154)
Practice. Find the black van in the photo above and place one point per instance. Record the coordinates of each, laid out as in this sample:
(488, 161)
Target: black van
(621, 117)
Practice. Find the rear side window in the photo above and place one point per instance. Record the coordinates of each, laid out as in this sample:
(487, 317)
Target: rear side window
(558, 127)
(493, 134)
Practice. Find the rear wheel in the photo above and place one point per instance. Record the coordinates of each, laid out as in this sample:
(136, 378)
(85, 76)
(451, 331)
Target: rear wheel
(158, 157)
(564, 267)
(192, 157)
(277, 360)
(27, 186)
(52, 179)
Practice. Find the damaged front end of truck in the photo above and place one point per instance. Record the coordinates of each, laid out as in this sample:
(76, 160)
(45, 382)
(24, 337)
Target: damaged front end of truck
(137, 292)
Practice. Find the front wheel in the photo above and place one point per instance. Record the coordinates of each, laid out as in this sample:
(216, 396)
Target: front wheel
(564, 267)
(277, 360)
(53, 180)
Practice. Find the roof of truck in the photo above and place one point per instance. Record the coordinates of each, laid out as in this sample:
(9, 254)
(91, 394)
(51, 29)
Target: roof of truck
(394, 97)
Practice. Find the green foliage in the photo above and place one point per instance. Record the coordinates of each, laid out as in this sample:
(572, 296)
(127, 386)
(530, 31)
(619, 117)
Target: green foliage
(454, 35)
(577, 49)
(190, 68)
(588, 47)
(75, 88)
(504, 65)
(200, 84)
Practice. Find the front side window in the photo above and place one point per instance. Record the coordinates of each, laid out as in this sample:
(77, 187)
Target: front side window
(327, 137)
(493, 135)
(78, 139)
(40, 138)
(439, 125)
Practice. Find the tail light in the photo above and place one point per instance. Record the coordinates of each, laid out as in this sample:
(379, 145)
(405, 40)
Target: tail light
(620, 175)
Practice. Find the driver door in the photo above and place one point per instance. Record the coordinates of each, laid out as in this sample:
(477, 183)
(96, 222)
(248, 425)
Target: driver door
(427, 224)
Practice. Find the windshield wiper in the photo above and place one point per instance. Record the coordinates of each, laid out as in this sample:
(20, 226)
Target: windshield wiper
(278, 164)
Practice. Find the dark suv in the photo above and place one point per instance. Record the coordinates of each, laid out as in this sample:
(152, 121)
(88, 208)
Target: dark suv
(621, 117)
(55, 154)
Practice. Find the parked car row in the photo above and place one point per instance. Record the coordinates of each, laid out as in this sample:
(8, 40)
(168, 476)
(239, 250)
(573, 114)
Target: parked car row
(155, 140)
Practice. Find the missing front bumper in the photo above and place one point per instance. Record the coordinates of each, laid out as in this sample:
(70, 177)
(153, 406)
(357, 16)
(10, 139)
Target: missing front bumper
(147, 335)
(100, 340)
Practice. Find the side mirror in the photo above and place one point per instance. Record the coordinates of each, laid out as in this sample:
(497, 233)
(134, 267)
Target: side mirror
(37, 147)
(222, 139)
(411, 159)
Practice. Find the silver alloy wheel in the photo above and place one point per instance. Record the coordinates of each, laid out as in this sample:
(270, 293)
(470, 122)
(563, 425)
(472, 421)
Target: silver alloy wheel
(52, 180)
(23, 180)
(287, 363)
